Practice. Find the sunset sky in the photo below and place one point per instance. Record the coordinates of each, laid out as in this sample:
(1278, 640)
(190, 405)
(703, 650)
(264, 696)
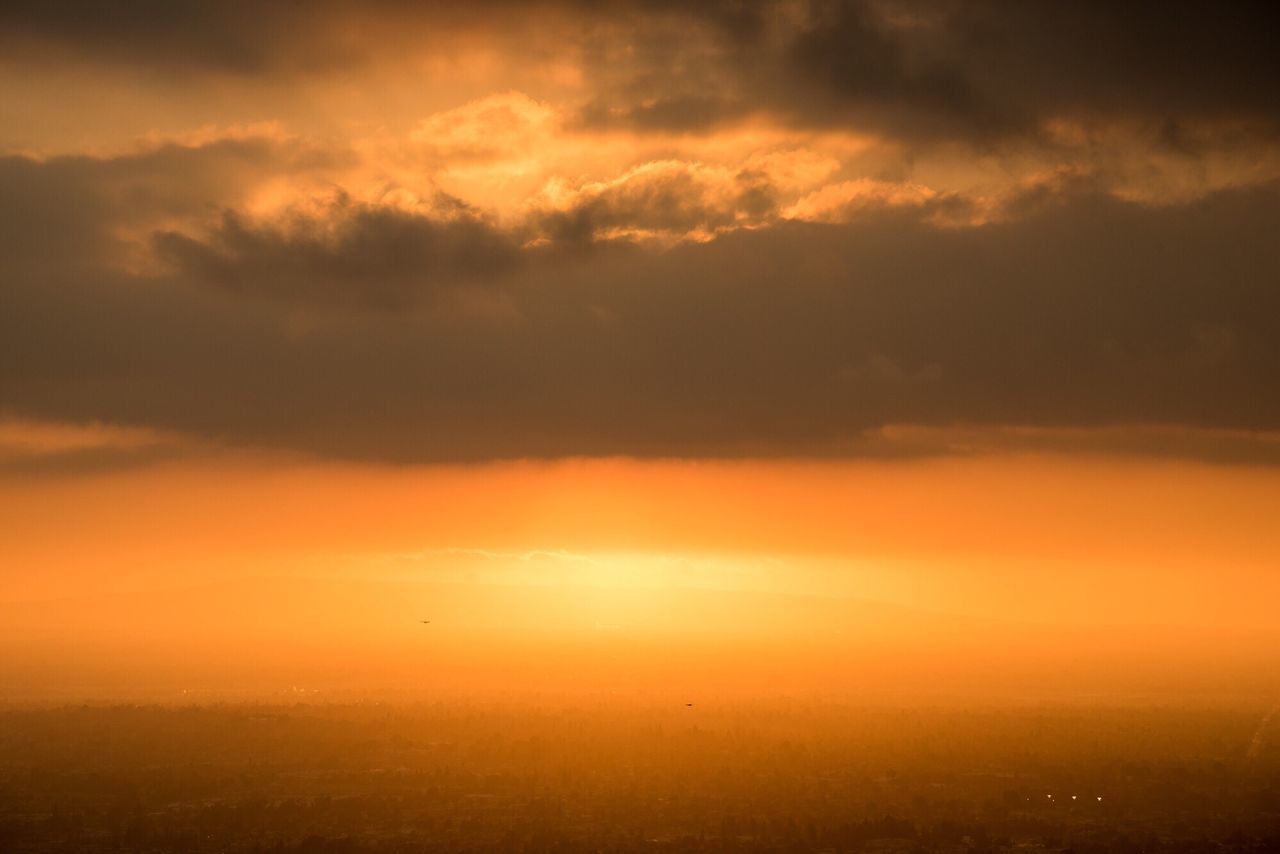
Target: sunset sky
(967, 309)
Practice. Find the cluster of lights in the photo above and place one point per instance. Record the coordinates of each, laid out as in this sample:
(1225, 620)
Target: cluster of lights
(1073, 797)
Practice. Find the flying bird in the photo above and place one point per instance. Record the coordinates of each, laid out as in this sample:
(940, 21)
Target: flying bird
(426, 621)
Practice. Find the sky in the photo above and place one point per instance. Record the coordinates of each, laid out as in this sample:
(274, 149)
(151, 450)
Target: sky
(969, 308)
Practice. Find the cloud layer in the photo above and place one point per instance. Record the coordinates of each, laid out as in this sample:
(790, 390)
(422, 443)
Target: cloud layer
(721, 230)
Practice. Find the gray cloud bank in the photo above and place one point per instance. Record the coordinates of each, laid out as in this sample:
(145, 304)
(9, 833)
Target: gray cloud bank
(440, 336)
(971, 69)
(370, 331)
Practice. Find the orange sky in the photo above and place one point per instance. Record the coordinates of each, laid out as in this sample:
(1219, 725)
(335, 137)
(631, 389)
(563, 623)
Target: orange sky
(1064, 538)
(1011, 574)
(837, 301)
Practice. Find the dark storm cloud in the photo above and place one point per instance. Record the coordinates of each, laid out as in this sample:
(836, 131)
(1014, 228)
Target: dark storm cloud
(354, 256)
(972, 69)
(252, 38)
(1165, 59)
(861, 69)
(67, 211)
(665, 113)
(794, 339)
(951, 69)
(235, 36)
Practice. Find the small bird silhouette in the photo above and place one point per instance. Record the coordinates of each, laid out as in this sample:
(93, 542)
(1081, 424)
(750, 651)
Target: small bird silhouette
(426, 621)
(689, 705)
